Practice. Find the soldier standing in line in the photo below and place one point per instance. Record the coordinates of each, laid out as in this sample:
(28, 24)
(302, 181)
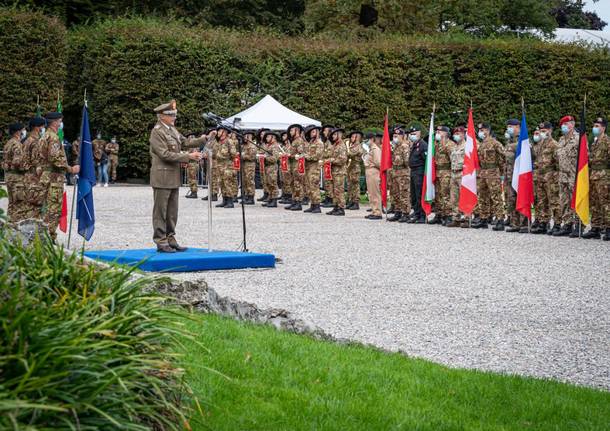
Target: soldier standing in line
(99, 146)
(515, 219)
(457, 164)
(338, 163)
(192, 172)
(248, 155)
(546, 181)
(567, 154)
(392, 185)
(489, 185)
(286, 176)
(112, 149)
(354, 155)
(53, 166)
(15, 173)
(271, 158)
(295, 146)
(328, 146)
(35, 191)
(444, 146)
(224, 161)
(313, 153)
(417, 165)
(213, 176)
(401, 197)
(372, 163)
(262, 143)
(599, 163)
(234, 167)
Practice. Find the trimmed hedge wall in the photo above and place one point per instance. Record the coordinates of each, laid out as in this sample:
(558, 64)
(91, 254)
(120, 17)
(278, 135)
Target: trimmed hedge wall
(33, 52)
(130, 66)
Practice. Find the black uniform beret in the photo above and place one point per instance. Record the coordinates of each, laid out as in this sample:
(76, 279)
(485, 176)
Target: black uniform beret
(512, 122)
(37, 122)
(545, 125)
(14, 128)
(602, 121)
(484, 126)
(443, 129)
(54, 116)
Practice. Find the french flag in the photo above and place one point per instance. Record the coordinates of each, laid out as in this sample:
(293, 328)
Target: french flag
(523, 180)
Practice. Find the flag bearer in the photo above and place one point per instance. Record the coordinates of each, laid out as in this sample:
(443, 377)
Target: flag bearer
(546, 181)
(599, 198)
(338, 161)
(567, 154)
(489, 186)
(457, 164)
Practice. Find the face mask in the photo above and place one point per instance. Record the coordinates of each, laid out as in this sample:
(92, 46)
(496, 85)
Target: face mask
(457, 138)
(481, 135)
(99, 136)
(395, 140)
(536, 138)
(42, 130)
(543, 135)
(437, 137)
(511, 131)
(413, 138)
(596, 131)
(565, 129)
(506, 135)
(61, 125)
(114, 141)
(23, 134)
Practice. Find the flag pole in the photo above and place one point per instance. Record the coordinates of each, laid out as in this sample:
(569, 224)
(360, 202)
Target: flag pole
(75, 189)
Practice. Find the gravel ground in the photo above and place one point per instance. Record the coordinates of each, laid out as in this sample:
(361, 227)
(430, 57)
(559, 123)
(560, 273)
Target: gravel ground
(512, 303)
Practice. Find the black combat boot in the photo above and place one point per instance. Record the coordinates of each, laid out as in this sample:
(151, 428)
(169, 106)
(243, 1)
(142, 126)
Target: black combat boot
(475, 223)
(271, 204)
(223, 203)
(214, 198)
(592, 234)
(191, 195)
(348, 204)
(391, 210)
(355, 206)
(339, 212)
(565, 230)
(305, 201)
(397, 215)
(607, 235)
(327, 203)
(230, 203)
(539, 229)
(575, 233)
(498, 226)
(296, 206)
(286, 198)
(249, 200)
(333, 211)
(404, 219)
(263, 198)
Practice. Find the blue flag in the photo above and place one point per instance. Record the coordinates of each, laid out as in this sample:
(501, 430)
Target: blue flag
(85, 213)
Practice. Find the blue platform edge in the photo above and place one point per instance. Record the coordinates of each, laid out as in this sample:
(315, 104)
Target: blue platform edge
(193, 259)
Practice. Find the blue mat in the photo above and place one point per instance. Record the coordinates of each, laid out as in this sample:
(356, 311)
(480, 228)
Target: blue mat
(193, 259)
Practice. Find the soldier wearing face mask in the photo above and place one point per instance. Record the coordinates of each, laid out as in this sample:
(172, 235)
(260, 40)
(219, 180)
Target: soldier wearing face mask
(417, 165)
(599, 163)
(567, 154)
(35, 190)
(444, 147)
(489, 186)
(14, 169)
(391, 182)
(328, 146)
(546, 181)
(457, 164)
(516, 221)
(401, 197)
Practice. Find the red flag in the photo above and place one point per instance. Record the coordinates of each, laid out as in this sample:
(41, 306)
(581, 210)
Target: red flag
(63, 219)
(328, 171)
(301, 165)
(468, 189)
(386, 162)
(236, 163)
(284, 163)
(580, 194)
(261, 165)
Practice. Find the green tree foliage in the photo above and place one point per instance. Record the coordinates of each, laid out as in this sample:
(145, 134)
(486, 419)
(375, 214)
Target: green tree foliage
(33, 49)
(571, 14)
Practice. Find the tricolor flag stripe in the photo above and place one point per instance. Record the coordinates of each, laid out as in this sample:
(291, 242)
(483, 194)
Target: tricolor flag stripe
(523, 181)
(428, 189)
(580, 195)
(468, 189)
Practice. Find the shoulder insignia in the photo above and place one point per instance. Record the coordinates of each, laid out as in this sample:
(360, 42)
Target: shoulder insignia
(157, 126)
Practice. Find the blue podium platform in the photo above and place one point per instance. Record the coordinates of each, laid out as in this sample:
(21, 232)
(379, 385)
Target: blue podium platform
(193, 259)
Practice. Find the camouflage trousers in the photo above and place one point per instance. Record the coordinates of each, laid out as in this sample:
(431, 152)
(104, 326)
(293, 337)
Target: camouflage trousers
(215, 181)
(566, 214)
(248, 182)
(113, 162)
(312, 174)
(392, 187)
(442, 200)
(600, 198)
(339, 188)
(516, 218)
(36, 193)
(546, 202)
(287, 179)
(228, 186)
(489, 190)
(353, 181)
(192, 171)
(271, 179)
(454, 193)
(17, 199)
(329, 188)
(298, 185)
(51, 209)
(401, 197)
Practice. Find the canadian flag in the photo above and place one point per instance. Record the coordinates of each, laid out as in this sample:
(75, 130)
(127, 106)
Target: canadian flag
(468, 189)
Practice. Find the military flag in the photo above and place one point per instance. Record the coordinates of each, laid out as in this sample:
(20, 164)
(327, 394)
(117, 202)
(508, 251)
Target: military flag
(428, 190)
(386, 162)
(580, 195)
(523, 180)
(86, 180)
(468, 189)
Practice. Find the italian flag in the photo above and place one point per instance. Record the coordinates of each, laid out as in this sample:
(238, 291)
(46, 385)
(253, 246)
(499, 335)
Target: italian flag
(428, 190)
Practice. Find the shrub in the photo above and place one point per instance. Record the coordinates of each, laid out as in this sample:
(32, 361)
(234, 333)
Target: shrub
(83, 348)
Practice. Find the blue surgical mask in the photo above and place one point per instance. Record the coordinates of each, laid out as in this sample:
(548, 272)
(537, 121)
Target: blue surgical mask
(537, 138)
(23, 134)
(565, 129)
(596, 131)
(457, 138)
(511, 131)
(413, 138)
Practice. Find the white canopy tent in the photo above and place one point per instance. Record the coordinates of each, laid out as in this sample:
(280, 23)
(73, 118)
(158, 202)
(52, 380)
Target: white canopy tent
(271, 114)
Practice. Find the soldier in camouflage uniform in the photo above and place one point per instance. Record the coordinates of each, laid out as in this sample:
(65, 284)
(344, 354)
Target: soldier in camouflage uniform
(328, 147)
(248, 156)
(354, 157)
(293, 147)
(338, 162)
(14, 171)
(271, 158)
(112, 149)
(53, 167)
(599, 164)
(401, 199)
(567, 154)
(516, 219)
(224, 160)
(213, 178)
(35, 191)
(457, 164)
(313, 153)
(489, 185)
(546, 181)
(444, 146)
(286, 177)
(233, 172)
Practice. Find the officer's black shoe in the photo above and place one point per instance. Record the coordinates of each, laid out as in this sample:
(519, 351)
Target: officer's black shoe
(271, 204)
(404, 219)
(607, 235)
(563, 231)
(339, 212)
(397, 215)
(512, 229)
(524, 229)
(263, 198)
(191, 195)
(223, 203)
(178, 247)
(296, 207)
(229, 203)
(333, 211)
(592, 234)
(499, 226)
(165, 249)
(373, 217)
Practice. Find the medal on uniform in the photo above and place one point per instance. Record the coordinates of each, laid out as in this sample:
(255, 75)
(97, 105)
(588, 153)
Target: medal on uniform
(327, 171)
(301, 166)
(236, 163)
(284, 163)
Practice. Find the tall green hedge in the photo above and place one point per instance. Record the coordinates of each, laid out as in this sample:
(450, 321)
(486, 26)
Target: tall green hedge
(33, 63)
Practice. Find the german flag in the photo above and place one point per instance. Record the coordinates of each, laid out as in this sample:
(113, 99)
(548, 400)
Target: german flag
(580, 195)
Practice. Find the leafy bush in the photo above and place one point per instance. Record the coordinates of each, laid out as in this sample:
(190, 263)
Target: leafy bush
(83, 348)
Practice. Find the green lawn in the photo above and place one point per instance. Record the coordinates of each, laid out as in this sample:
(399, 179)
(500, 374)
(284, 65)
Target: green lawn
(281, 381)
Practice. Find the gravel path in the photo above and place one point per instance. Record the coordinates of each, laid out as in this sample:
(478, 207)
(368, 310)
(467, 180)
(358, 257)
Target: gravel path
(514, 303)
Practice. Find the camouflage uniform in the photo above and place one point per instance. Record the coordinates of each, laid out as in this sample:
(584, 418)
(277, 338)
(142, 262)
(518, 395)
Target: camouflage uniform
(328, 184)
(489, 186)
(401, 198)
(192, 173)
(248, 154)
(271, 159)
(287, 177)
(599, 162)
(99, 146)
(232, 172)
(76, 152)
(457, 163)
(224, 161)
(313, 153)
(354, 155)
(546, 180)
(511, 196)
(35, 191)
(298, 180)
(567, 153)
(214, 177)
(338, 159)
(443, 177)
(53, 165)
(14, 176)
(112, 149)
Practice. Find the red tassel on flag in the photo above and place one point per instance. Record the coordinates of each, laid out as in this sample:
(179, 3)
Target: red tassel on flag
(328, 171)
(63, 219)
